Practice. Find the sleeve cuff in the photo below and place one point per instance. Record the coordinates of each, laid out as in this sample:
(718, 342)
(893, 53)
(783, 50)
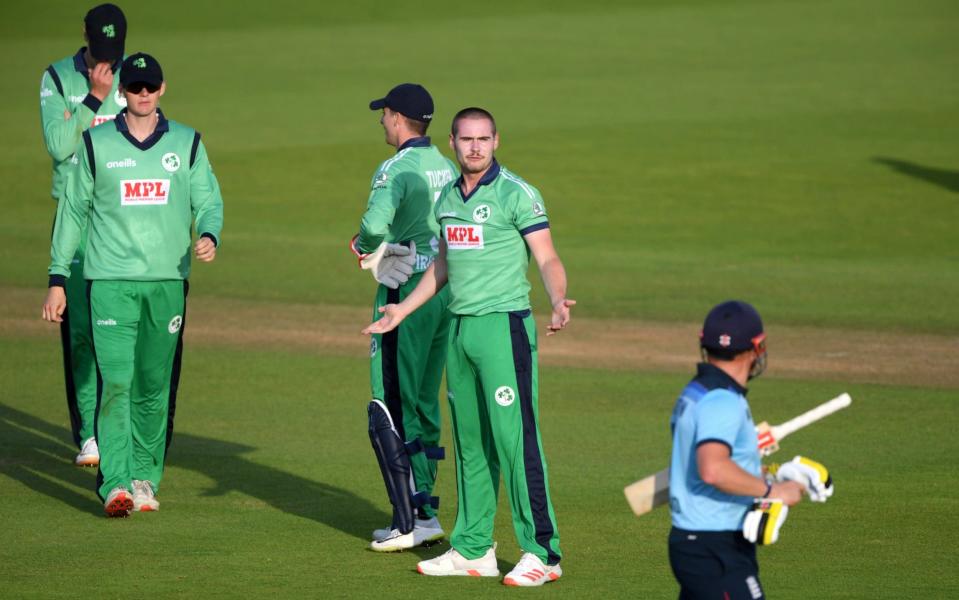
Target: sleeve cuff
(91, 102)
(57, 281)
(535, 227)
(212, 237)
(716, 441)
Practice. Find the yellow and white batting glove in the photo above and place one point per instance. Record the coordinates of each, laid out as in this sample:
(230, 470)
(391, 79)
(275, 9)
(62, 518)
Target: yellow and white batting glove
(763, 522)
(810, 474)
(390, 264)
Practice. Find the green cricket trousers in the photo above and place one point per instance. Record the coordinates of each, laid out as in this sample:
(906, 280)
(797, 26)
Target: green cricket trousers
(406, 370)
(137, 328)
(79, 367)
(491, 373)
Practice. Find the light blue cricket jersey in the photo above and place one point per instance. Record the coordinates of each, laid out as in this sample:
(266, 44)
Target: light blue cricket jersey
(711, 408)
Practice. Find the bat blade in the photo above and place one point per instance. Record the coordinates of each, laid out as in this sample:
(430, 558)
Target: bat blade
(648, 493)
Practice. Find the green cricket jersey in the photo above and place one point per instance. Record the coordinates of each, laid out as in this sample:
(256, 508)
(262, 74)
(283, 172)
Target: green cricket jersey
(66, 87)
(403, 192)
(141, 199)
(486, 254)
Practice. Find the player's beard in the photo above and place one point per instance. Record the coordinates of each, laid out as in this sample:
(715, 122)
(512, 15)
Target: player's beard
(475, 166)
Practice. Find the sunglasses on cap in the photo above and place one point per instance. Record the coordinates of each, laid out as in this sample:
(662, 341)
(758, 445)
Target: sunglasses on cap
(137, 86)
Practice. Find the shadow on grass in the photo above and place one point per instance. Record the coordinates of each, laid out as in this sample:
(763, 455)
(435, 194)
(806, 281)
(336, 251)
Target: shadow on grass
(43, 460)
(224, 462)
(36, 454)
(941, 177)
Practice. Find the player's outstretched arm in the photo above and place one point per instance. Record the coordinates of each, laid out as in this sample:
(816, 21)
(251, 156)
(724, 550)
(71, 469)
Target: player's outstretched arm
(554, 277)
(433, 280)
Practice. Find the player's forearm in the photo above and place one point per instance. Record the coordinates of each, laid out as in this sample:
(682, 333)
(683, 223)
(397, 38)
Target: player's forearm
(61, 136)
(728, 477)
(66, 239)
(433, 280)
(554, 279)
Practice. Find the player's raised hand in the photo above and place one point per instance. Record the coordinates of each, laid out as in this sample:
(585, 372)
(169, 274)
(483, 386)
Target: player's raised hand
(205, 249)
(392, 317)
(55, 304)
(560, 317)
(101, 80)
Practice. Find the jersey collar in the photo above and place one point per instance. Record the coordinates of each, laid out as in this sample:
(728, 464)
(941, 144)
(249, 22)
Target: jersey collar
(712, 378)
(80, 63)
(162, 127)
(491, 174)
(417, 142)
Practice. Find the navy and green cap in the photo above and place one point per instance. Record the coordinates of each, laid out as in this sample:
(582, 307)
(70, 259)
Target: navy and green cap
(731, 327)
(141, 68)
(410, 100)
(106, 29)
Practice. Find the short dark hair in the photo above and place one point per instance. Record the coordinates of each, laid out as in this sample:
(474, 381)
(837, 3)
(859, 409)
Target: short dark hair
(472, 112)
(723, 355)
(417, 127)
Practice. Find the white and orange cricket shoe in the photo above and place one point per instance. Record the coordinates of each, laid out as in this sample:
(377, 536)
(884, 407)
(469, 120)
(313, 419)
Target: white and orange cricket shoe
(119, 503)
(531, 572)
(452, 562)
(144, 499)
(89, 454)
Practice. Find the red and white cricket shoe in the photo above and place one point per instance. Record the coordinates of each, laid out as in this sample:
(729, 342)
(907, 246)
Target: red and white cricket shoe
(452, 562)
(531, 572)
(119, 503)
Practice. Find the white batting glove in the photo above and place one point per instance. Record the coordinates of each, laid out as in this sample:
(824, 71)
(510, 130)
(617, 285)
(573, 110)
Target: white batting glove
(390, 264)
(810, 474)
(763, 522)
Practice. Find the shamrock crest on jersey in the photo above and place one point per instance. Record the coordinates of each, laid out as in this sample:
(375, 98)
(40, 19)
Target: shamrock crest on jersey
(482, 213)
(170, 162)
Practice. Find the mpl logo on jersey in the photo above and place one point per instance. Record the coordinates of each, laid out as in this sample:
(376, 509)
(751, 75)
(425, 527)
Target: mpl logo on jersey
(464, 237)
(144, 192)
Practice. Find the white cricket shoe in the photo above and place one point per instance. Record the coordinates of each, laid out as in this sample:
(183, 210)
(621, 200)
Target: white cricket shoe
(89, 454)
(531, 572)
(394, 542)
(452, 562)
(144, 499)
(425, 532)
(119, 502)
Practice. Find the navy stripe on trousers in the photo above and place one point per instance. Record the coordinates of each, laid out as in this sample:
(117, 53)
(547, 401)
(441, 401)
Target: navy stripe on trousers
(532, 459)
(72, 405)
(391, 370)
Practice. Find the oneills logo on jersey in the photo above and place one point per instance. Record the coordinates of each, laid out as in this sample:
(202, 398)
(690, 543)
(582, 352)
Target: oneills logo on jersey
(120, 164)
(464, 237)
(144, 192)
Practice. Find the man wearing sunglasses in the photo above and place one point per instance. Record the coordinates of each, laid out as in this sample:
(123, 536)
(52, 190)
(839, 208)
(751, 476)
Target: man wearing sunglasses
(141, 183)
(715, 474)
(76, 93)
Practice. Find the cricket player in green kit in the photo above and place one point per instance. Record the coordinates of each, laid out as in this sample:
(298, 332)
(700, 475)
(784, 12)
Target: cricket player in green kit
(397, 242)
(491, 220)
(76, 93)
(139, 185)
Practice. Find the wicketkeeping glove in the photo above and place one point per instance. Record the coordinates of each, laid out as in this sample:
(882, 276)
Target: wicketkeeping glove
(763, 522)
(810, 474)
(390, 264)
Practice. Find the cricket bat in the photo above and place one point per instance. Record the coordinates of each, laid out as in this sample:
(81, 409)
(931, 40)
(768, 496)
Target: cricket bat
(652, 491)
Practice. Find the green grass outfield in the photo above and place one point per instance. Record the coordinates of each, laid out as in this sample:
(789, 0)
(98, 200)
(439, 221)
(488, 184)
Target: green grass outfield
(801, 155)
